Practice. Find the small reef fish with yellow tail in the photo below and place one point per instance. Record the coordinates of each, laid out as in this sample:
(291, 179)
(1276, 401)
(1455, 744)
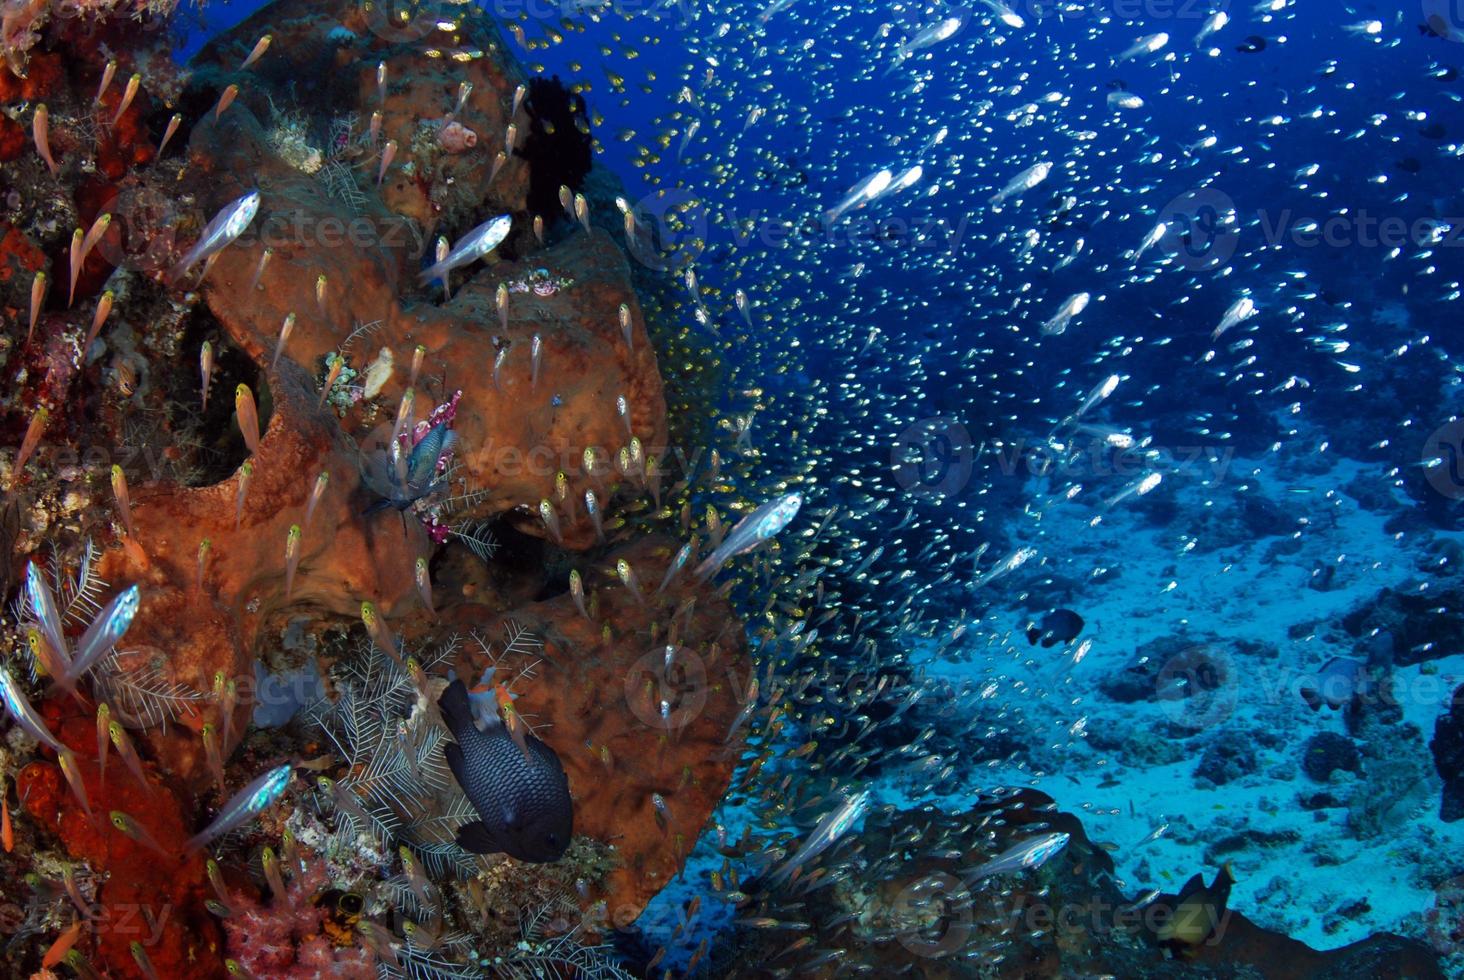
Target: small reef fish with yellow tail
(1199, 913)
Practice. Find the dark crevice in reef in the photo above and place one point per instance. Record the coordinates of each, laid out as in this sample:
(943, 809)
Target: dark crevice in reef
(558, 148)
(204, 444)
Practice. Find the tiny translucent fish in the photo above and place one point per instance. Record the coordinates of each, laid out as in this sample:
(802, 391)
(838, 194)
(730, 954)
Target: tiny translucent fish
(227, 694)
(60, 951)
(498, 360)
(104, 310)
(272, 874)
(219, 233)
(477, 243)
(205, 370)
(1071, 307)
(677, 564)
(510, 137)
(260, 47)
(105, 631)
(502, 301)
(48, 662)
(628, 579)
(128, 95)
(201, 564)
(225, 100)
(582, 211)
(77, 258)
(1149, 44)
(246, 473)
(95, 233)
(172, 128)
(216, 879)
(388, 154)
(334, 364)
(37, 300)
(381, 81)
(41, 132)
(379, 941)
(32, 439)
(518, 100)
(286, 328)
(321, 294)
(757, 527)
(625, 326)
(539, 229)
(67, 760)
(139, 956)
(1100, 391)
(422, 936)
(1240, 311)
(316, 492)
(404, 415)
(1030, 853)
(416, 879)
(213, 754)
(248, 416)
(109, 72)
(833, 826)
(498, 162)
(292, 557)
(1215, 22)
(551, 521)
(418, 355)
(577, 592)
(465, 89)
(104, 722)
(592, 507)
(130, 827)
(744, 306)
(124, 500)
(1022, 182)
(424, 584)
(25, 716)
(245, 805)
(43, 607)
(126, 750)
(622, 409)
(381, 635)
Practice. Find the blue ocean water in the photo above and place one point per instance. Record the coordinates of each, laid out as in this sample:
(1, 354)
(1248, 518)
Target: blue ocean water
(1112, 348)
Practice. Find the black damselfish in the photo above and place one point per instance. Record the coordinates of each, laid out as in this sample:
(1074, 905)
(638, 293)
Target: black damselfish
(521, 796)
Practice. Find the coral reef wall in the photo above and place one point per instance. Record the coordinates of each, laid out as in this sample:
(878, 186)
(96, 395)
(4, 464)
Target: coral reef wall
(232, 435)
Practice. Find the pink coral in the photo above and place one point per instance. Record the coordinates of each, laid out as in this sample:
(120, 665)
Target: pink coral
(454, 137)
(285, 937)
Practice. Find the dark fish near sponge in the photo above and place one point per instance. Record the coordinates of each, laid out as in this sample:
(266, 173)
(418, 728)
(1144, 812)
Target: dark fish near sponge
(1058, 626)
(1199, 911)
(1337, 684)
(523, 798)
